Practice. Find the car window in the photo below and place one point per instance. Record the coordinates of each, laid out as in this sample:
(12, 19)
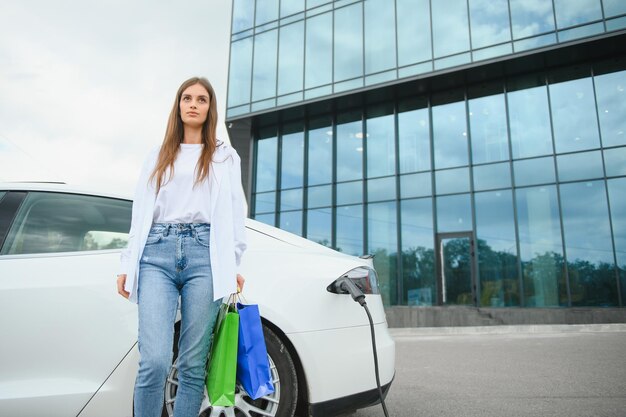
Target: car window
(2, 193)
(56, 222)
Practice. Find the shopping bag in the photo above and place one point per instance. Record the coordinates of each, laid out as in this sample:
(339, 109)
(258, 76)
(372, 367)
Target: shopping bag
(222, 363)
(253, 368)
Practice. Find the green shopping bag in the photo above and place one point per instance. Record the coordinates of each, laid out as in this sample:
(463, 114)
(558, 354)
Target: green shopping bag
(222, 364)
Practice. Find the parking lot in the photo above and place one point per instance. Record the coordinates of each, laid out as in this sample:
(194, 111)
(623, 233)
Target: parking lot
(508, 371)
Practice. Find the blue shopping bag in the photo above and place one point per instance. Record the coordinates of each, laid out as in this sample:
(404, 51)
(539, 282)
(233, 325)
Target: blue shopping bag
(253, 368)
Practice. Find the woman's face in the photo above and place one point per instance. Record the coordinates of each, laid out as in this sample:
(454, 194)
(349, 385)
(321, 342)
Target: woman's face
(194, 105)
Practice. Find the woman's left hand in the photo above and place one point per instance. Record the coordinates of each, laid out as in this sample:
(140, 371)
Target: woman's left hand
(240, 281)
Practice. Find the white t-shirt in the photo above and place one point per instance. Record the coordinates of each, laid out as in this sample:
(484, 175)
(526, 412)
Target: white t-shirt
(177, 200)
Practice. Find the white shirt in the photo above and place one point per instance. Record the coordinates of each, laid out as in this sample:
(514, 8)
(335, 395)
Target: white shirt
(228, 213)
(178, 201)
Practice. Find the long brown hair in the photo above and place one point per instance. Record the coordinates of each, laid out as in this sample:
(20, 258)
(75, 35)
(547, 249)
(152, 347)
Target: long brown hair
(174, 136)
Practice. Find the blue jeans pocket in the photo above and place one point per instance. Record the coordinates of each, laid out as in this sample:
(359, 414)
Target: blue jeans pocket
(203, 237)
(154, 237)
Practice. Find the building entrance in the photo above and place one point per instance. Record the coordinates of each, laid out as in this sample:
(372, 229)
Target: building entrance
(456, 269)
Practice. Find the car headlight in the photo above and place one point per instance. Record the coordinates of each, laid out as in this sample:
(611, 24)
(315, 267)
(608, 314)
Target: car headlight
(363, 277)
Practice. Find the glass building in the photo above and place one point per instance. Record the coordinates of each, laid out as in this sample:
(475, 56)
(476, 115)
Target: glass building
(477, 148)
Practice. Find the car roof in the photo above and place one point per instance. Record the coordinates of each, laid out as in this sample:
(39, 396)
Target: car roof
(58, 187)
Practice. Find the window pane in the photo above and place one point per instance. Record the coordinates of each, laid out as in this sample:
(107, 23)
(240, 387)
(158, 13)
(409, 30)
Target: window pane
(529, 119)
(266, 159)
(570, 13)
(291, 221)
(243, 13)
(489, 22)
(291, 199)
(488, 177)
(269, 218)
(383, 243)
(414, 140)
(488, 127)
(313, 3)
(350, 192)
(450, 27)
(541, 250)
(450, 135)
(266, 11)
(264, 78)
(289, 7)
(292, 160)
(321, 155)
(2, 193)
(320, 196)
(319, 50)
(265, 202)
(55, 222)
(580, 166)
(615, 161)
(534, 171)
(319, 226)
(531, 17)
(574, 115)
(350, 150)
(415, 185)
(380, 36)
(451, 181)
(240, 68)
(413, 28)
(381, 146)
(611, 96)
(581, 32)
(614, 7)
(350, 230)
(588, 244)
(454, 213)
(348, 42)
(418, 257)
(291, 58)
(497, 249)
(617, 198)
(381, 189)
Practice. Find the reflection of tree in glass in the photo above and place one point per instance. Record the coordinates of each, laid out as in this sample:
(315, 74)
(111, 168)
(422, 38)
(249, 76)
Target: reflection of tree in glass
(418, 265)
(385, 265)
(544, 279)
(499, 284)
(592, 284)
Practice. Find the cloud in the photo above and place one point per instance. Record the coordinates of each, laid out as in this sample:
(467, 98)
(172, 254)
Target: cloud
(86, 87)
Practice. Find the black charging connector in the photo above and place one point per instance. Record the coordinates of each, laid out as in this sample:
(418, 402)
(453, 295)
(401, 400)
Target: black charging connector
(345, 285)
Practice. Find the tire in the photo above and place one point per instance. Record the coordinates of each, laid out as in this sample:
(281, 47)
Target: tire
(285, 387)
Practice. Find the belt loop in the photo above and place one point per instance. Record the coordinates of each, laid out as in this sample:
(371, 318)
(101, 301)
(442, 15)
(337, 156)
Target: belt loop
(167, 230)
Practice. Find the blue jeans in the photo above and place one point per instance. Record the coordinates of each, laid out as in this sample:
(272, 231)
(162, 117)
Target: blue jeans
(175, 263)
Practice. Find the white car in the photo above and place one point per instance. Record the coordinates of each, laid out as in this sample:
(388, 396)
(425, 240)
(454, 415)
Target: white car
(69, 341)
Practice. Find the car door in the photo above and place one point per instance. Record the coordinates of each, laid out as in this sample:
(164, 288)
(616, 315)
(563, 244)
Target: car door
(64, 327)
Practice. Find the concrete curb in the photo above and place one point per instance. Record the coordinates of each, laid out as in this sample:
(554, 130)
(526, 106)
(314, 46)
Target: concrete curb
(400, 332)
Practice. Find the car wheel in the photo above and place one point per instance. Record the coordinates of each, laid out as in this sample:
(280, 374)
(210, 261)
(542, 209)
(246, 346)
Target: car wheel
(281, 403)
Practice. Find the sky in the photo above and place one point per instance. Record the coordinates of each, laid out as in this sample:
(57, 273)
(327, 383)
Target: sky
(86, 86)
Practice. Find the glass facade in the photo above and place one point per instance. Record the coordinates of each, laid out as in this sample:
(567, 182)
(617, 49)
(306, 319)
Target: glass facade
(290, 51)
(507, 193)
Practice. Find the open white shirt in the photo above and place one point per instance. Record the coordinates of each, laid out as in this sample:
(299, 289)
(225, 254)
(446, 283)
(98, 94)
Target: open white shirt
(227, 209)
(178, 201)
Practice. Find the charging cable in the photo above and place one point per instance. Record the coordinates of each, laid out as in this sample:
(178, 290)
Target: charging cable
(346, 284)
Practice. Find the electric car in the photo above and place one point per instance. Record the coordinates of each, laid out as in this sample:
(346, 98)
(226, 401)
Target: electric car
(69, 341)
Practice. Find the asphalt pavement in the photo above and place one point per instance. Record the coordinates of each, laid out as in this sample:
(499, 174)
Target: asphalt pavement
(575, 370)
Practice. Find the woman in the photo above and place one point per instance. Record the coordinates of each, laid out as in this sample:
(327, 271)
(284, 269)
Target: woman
(186, 239)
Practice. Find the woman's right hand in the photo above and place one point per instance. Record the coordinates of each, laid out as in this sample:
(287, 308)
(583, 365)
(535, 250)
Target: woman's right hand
(121, 280)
